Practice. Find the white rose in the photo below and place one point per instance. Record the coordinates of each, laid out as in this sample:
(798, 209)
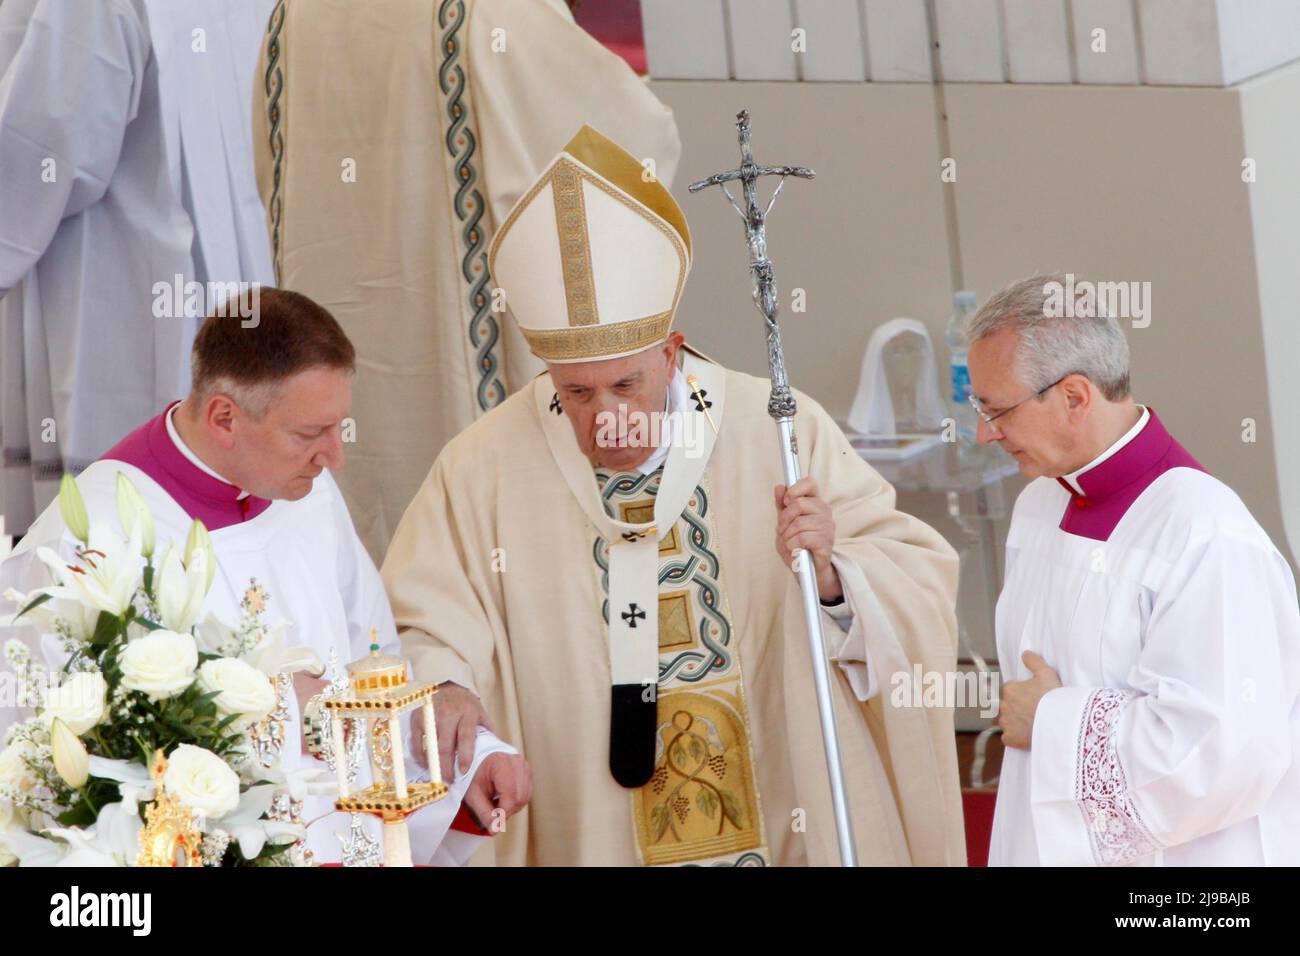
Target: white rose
(78, 702)
(202, 781)
(14, 771)
(244, 689)
(161, 664)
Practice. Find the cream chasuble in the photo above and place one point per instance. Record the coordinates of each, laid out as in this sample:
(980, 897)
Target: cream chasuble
(391, 140)
(507, 576)
(637, 636)
(679, 731)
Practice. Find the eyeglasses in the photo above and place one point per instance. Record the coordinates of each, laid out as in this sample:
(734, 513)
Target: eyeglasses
(990, 419)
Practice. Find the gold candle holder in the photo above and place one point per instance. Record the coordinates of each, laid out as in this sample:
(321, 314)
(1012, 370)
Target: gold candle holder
(379, 693)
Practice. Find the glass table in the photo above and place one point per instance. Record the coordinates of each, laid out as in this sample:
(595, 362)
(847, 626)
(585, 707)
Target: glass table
(964, 493)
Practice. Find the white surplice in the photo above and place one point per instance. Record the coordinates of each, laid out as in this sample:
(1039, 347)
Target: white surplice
(125, 145)
(319, 579)
(1173, 624)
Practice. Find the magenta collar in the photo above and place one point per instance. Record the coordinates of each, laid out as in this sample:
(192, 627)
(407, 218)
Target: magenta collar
(214, 502)
(1112, 487)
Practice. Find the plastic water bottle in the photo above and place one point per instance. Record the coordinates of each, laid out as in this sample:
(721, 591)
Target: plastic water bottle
(959, 399)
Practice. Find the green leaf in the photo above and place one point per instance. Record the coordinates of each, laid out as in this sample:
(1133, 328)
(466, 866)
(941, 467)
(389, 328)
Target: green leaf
(659, 820)
(78, 815)
(107, 627)
(34, 603)
(679, 755)
(697, 749)
(732, 808)
(707, 803)
(109, 665)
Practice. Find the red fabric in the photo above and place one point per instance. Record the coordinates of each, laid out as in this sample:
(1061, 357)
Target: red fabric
(215, 503)
(977, 808)
(1110, 489)
(465, 823)
(617, 25)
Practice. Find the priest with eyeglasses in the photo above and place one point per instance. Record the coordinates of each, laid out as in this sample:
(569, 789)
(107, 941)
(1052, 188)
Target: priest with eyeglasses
(1148, 632)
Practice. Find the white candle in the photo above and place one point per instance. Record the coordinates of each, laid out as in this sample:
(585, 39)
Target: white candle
(340, 756)
(431, 743)
(397, 844)
(399, 766)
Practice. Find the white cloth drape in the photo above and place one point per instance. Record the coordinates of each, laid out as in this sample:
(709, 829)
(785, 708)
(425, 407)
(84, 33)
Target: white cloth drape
(125, 145)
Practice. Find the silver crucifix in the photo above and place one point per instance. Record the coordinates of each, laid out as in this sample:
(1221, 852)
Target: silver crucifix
(781, 406)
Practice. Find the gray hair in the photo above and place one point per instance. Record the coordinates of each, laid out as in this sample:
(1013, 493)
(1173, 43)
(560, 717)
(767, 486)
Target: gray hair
(255, 400)
(1051, 342)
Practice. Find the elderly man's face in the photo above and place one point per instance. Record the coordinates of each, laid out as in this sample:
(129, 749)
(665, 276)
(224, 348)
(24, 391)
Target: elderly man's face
(596, 395)
(1039, 434)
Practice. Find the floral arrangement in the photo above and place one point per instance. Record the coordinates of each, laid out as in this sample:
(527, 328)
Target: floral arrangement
(161, 723)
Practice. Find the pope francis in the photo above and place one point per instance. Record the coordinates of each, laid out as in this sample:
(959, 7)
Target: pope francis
(591, 565)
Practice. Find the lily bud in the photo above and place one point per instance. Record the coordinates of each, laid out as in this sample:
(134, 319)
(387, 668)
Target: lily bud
(73, 509)
(133, 511)
(199, 540)
(181, 590)
(70, 757)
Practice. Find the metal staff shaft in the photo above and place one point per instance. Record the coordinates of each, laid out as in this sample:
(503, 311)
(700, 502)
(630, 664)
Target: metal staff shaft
(781, 406)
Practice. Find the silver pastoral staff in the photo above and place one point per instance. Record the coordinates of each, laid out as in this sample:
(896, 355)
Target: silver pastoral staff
(781, 406)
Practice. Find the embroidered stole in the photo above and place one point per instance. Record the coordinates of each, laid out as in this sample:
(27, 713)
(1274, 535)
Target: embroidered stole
(679, 729)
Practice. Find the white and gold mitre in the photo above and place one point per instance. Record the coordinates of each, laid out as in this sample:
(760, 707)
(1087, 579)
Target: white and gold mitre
(593, 258)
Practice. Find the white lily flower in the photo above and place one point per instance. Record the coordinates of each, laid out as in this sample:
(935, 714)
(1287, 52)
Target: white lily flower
(133, 780)
(121, 771)
(79, 619)
(60, 569)
(245, 823)
(300, 782)
(133, 511)
(34, 850)
(270, 656)
(215, 636)
(109, 576)
(112, 840)
(70, 758)
(181, 591)
(73, 508)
